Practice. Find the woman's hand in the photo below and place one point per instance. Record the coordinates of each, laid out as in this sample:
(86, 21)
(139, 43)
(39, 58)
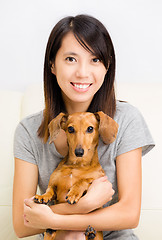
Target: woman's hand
(38, 216)
(99, 193)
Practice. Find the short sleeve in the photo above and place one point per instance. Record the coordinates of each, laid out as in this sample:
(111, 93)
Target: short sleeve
(23, 146)
(133, 133)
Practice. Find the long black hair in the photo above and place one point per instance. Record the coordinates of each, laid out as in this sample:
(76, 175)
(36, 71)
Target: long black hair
(94, 37)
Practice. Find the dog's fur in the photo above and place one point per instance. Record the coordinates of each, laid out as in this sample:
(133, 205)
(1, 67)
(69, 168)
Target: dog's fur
(73, 176)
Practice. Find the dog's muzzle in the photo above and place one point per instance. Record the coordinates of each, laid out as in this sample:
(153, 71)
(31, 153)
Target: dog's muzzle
(79, 152)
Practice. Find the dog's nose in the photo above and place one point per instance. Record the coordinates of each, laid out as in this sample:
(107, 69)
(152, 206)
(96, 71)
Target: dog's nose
(79, 152)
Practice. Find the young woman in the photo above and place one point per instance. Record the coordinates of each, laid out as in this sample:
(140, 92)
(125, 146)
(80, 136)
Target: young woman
(79, 72)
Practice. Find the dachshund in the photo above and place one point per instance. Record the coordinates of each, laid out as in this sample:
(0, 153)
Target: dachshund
(80, 167)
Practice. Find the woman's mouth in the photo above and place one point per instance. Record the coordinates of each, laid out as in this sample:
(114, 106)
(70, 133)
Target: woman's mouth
(81, 87)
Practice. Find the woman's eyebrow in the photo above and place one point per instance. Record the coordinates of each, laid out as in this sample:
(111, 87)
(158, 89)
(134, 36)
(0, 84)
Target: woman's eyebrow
(70, 53)
(75, 54)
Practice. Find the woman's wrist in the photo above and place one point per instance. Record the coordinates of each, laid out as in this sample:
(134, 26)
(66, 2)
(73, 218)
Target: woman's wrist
(55, 222)
(87, 204)
(82, 207)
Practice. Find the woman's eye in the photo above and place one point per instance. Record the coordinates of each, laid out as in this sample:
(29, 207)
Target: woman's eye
(96, 60)
(70, 59)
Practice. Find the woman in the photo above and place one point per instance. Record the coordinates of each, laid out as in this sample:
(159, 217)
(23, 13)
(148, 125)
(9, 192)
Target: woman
(79, 72)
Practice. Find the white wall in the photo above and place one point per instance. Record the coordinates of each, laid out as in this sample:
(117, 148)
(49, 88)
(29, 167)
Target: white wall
(134, 25)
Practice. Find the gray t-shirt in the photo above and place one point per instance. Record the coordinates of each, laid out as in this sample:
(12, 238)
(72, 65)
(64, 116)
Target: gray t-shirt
(132, 133)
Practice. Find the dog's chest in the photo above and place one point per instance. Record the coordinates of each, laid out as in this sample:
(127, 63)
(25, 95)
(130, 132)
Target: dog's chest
(66, 180)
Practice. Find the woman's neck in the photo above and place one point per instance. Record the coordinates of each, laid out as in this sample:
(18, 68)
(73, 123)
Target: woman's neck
(76, 107)
(72, 107)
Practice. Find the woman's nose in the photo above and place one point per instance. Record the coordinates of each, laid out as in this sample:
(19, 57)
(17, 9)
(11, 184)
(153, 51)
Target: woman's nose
(82, 70)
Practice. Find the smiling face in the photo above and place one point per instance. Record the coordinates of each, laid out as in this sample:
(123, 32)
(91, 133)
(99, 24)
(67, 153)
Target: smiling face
(79, 73)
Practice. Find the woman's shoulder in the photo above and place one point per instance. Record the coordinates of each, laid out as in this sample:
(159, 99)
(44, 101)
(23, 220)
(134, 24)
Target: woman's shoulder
(133, 131)
(123, 106)
(126, 114)
(33, 119)
(30, 124)
(27, 144)
(126, 110)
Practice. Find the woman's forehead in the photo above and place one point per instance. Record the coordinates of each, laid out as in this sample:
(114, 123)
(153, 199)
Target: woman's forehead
(71, 46)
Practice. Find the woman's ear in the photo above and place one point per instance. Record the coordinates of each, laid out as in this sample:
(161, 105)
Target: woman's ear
(108, 128)
(55, 126)
(53, 70)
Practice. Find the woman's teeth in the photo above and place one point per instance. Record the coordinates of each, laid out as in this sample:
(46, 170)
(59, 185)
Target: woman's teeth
(81, 86)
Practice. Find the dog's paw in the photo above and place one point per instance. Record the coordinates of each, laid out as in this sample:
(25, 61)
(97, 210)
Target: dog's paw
(70, 200)
(73, 196)
(90, 233)
(49, 234)
(42, 199)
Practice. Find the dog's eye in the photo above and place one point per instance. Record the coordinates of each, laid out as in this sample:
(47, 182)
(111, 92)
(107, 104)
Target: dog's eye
(90, 129)
(71, 129)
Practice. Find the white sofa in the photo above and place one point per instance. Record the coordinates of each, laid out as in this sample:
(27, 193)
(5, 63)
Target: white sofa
(147, 97)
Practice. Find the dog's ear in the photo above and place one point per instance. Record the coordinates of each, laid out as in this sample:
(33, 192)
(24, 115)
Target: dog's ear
(55, 125)
(108, 128)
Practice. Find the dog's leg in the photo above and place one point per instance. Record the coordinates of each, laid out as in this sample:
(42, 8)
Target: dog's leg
(45, 198)
(50, 193)
(78, 189)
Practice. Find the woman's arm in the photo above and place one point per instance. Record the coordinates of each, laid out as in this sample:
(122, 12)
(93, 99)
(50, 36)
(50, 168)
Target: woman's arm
(122, 215)
(99, 193)
(25, 186)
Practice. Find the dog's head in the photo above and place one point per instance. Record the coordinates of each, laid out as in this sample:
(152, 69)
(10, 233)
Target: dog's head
(83, 130)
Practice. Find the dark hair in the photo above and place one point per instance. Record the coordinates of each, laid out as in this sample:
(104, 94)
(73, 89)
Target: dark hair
(93, 36)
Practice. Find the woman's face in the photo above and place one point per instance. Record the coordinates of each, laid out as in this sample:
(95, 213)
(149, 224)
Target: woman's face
(79, 73)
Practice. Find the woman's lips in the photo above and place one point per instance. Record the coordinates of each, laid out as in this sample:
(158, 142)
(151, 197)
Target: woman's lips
(81, 87)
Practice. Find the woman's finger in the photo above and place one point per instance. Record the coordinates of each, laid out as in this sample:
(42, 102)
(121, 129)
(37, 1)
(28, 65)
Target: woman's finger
(28, 202)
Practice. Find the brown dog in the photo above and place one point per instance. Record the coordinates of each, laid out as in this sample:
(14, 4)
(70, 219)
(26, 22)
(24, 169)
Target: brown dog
(73, 176)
